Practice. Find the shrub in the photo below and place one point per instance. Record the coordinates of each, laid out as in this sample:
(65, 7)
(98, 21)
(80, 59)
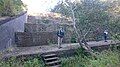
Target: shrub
(103, 59)
(27, 62)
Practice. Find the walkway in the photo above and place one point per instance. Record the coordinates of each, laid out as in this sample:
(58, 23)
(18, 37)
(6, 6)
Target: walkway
(52, 48)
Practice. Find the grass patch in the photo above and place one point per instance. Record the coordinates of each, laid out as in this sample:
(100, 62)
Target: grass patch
(104, 59)
(26, 62)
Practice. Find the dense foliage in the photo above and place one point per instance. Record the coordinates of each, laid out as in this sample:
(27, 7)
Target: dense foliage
(10, 7)
(92, 14)
(22, 62)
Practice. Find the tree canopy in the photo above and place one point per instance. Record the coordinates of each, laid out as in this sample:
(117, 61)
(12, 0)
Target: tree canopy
(10, 7)
(92, 13)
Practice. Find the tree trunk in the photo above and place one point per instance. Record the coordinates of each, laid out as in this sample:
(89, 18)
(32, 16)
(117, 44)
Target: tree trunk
(80, 39)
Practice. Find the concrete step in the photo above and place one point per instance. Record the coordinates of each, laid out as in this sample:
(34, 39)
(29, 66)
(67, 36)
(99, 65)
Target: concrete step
(53, 62)
(49, 55)
(53, 58)
(56, 66)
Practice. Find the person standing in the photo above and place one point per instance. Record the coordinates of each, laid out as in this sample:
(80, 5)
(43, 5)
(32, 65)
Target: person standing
(105, 35)
(97, 34)
(60, 34)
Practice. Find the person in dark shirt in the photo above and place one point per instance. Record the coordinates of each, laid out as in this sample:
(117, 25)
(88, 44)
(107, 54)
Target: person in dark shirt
(60, 34)
(97, 33)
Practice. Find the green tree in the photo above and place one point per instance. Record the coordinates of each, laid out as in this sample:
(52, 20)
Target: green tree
(87, 14)
(114, 11)
(10, 7)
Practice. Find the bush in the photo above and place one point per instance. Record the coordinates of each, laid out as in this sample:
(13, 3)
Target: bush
(73, 37)
(103, 59)
(117, 36)
(27, 62)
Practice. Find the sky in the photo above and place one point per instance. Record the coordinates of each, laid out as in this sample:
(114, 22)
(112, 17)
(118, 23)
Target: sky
(40, 5)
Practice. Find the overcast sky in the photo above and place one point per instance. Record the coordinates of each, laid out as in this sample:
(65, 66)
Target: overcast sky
(40, 5)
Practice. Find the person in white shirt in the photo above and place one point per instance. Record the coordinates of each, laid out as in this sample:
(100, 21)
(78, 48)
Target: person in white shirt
(105, 35)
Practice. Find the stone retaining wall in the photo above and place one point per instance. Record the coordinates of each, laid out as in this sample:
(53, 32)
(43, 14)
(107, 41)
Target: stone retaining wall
(30, 27)
(35, 39)
(26, 39)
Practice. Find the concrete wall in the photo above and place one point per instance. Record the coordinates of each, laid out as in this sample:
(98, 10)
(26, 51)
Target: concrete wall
(26, 39)
(30, 27)
(41, 34)
(35, 39)
(8, 27)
